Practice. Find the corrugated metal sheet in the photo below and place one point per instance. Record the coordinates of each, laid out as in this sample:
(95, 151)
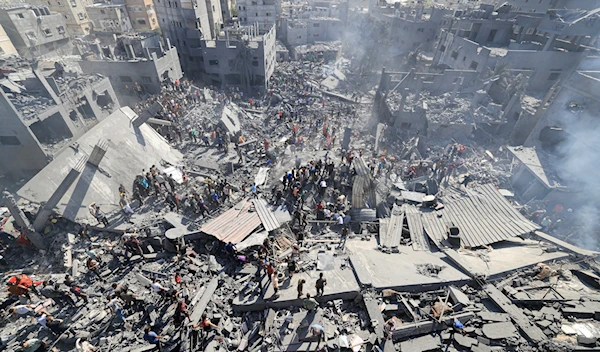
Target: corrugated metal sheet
(267, 217)
(393, 232)
(235, 224)
(484, 217)
(417, 235)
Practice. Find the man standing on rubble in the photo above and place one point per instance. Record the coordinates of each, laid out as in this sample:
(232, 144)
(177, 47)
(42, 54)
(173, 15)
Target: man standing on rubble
(152, 338)
(320, 285)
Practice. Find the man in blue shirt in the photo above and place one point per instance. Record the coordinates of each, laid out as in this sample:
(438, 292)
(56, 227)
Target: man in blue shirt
(152, 338)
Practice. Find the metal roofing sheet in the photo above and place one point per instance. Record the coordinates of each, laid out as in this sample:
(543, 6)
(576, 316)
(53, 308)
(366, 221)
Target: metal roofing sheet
(235, 224)
(483, 217)
(267, 217)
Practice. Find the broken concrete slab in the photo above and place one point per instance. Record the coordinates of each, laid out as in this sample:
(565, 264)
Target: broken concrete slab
(497, 331)
(421, 344)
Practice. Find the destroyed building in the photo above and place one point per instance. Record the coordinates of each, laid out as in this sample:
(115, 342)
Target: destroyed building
(138, 64)
(186, 24)
(340, 205)
(73, 12)
(313, 24)
(265, 13)
(409, 28)
(243, 57)
(110, 18)
(452, 103)
(545, 45)
(45, 110)
(7, 49)
(34, 31)
(141, 14)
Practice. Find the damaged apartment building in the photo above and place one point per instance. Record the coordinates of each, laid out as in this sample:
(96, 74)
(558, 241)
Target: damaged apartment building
(218, 55)
(448, 104)
(44, 108)
(74, 14)
(312, 24)
(138, 64)
(35, 31)
(545, 46)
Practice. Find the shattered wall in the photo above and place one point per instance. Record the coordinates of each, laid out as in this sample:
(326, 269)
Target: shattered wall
(125, 74)
(35, 33)
(20, 151)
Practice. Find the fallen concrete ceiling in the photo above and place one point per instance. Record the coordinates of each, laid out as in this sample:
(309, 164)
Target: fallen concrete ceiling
(130, 150)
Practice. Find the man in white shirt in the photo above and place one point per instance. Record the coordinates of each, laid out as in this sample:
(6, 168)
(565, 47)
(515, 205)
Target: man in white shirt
(23, 309)
(158, 288)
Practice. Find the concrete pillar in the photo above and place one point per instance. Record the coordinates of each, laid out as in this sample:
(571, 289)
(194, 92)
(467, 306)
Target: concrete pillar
(36, 239)
(457, 86)
(520, 35)
(403, 101)
(98, 50)
(98, 153)
(419, 13)
(419, 86)
(549, 42)
(64, 186)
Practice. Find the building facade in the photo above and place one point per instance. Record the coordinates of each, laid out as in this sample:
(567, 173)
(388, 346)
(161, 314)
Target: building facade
(111, 18)
(265, 13)
(546, 47)
(142, 14)
(35, 32)
(138, 65)
(73, 12)
(185, 23)
(241, 57)
(64, 107)
(7, 48)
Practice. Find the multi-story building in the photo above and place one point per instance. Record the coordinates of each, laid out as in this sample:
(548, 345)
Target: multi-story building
(140, 64)
(141, 13)
(111, 18)
(73, 12)
(34, 31)
(545, 47)
(263, 12)
(185, 23)
(41, 112)
(6, 46)
(240, 57)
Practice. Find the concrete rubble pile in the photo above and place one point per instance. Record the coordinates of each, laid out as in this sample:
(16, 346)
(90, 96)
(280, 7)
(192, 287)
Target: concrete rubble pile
(288, 226)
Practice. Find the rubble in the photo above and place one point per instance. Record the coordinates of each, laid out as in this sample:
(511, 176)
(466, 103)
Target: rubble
(300, 218)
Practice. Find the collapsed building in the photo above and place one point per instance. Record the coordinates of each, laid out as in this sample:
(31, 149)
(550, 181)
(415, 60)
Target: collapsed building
(545, 46)
(46, 108)
(453, 103)
(412, 217)
(34, 31)
(136, 65)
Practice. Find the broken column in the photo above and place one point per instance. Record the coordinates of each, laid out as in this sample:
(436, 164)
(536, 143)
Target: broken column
(98, 153)
(66, 183)
(22, 221)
